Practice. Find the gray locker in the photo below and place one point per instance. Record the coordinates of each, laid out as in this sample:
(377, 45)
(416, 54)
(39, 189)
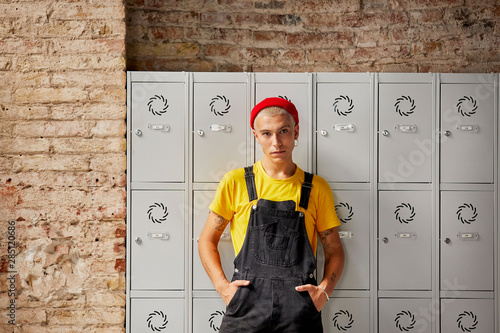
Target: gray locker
(467, 133)
(405, 133)
(298, 93)
(208, 314)
(346, 315)
(405, 223)
(157, 315)
(398, 315)
(467, 315)
(467, 250)
(201, 281)
(343, 131)
(221, 123)
(353, 210)
(158, 131)
(158, 240)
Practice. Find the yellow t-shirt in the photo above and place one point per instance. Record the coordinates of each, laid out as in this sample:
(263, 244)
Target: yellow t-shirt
(231, 201)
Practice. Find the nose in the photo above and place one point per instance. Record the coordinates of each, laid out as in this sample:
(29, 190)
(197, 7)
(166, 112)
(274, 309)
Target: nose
(276, 141)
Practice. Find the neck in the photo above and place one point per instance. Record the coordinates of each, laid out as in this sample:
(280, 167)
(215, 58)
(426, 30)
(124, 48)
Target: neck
(279, 171)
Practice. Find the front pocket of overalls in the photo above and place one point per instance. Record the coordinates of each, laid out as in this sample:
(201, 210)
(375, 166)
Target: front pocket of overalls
(274, 244)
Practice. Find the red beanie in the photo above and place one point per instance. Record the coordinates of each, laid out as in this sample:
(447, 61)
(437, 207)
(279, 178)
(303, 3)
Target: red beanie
(275, 101)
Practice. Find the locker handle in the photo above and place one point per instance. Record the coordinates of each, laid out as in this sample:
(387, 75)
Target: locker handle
(468, 128)
(468, 236)
(220, 128)
(406, 128)
(385, 133)
(343, 127)
(158, 235)
(159, 127)
(385, 240)
(406, 235)
(345, 234)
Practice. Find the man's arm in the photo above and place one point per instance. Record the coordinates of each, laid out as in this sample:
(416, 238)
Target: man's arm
(334, 264)
(210, 258)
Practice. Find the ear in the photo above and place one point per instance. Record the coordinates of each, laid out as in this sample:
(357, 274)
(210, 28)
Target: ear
(255, 135)
(296, 132)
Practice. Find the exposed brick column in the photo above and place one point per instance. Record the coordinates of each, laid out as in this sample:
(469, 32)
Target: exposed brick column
(62, 163)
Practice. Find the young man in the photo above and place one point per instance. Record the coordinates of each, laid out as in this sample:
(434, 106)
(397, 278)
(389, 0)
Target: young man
(277, 212)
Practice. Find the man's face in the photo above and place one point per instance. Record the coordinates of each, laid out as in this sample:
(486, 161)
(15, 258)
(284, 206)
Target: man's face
(276, 135)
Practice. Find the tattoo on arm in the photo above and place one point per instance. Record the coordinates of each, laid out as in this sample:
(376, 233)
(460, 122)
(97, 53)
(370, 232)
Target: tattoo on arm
(333, 277)
(323, 235)
(221, 223)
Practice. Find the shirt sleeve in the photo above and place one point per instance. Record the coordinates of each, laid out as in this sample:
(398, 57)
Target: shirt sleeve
(223, 203)
(326, 215)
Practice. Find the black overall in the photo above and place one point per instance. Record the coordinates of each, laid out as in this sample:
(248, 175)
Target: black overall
(276, 257)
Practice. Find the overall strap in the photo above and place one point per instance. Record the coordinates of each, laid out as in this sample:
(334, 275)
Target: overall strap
(306, 190)
(250, 180)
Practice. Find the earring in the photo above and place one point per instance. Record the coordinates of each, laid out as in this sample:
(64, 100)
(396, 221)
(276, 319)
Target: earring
(296, 142)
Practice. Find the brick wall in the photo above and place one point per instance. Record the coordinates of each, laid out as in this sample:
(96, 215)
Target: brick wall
(62, 112)
(314, 35)
(62, 165)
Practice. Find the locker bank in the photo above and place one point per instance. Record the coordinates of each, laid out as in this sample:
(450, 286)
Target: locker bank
(412, 160)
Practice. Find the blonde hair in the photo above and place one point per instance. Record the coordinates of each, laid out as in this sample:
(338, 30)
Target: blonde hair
(273, 111)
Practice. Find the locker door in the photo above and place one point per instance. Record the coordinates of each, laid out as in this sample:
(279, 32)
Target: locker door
(467, 240)
(201, 281)
(405, 315)
(220, 126)
(156, 315)
(207, 314)
(353, 210)
(405, 133)
(157, 240)
(343, 132)
(467, 127)
(467, 315)
(346, 315)
(298, 94)
(405, 223)
(158, 127)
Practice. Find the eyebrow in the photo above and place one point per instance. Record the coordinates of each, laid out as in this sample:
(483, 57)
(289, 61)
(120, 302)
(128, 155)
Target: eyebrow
(279, 129)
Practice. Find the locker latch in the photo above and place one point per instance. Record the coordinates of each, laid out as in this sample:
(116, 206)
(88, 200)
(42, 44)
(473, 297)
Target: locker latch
(406, 235)
(406, 128)
(345, 234)
(344, 127)
(468, 128)
(468, 235)
(158, 235)
(159, 127)
(220, 128)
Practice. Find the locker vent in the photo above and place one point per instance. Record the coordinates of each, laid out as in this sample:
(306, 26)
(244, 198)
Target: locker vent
(344, 212)
(343, 105)
(157, 213)
(220, 105)
(215, 320)
(467, 321)
(404, 213)
(342, 320)
(158, 105)
(466, 213)
(405, 321)
(285, 97)
(405, 106)
(467, 106)
(157, 321)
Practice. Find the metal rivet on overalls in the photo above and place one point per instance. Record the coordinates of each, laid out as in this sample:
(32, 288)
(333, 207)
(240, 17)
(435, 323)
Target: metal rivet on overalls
(236, 270)
(301, 214)
(254, 207)
(311, 275)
